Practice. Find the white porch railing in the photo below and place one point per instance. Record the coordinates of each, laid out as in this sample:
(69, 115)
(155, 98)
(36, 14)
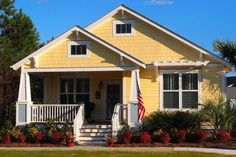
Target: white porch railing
(56, 112)
(78, 122)
(116, 118)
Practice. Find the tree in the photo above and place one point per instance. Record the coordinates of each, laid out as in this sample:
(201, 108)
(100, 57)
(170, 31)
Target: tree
(18, 38)
(227, 49)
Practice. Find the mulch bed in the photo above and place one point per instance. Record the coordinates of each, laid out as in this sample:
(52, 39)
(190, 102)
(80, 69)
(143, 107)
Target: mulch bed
(32, 145)
(227, 145)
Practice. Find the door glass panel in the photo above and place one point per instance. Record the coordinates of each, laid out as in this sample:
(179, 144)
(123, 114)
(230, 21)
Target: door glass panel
(113, 97)
(67, 86)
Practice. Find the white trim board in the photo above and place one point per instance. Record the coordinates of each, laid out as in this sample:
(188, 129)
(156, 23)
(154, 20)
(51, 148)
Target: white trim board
(80, 69)
(84, 32)
(100, 21)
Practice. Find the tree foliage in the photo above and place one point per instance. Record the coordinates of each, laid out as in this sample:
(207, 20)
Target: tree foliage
(18, 38)
(220, 114)
(227, 49)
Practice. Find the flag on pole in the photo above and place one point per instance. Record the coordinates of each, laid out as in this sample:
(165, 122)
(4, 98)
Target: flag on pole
(141, 108)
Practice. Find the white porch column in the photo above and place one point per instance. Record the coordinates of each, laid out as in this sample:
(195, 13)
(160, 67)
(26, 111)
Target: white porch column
(133, 102)
(23, 104)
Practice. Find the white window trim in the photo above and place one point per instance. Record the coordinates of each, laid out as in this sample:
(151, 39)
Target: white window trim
(180, 72)
(79, 42)
(74, 88)
(114, 23)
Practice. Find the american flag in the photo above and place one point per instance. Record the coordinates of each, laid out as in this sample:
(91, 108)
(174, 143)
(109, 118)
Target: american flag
(141, 108)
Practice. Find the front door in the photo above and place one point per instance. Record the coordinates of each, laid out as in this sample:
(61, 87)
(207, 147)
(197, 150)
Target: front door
(113, 96)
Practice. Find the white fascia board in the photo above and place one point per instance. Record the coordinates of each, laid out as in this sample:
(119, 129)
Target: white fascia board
(198, 63)
(97, 23)
(48, 46)
(102, 69)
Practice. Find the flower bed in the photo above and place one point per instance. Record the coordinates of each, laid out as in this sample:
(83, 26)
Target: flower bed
(48, 135)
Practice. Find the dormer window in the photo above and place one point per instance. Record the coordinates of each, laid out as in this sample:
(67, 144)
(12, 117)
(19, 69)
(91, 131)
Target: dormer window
(123, 28)
(77, 49)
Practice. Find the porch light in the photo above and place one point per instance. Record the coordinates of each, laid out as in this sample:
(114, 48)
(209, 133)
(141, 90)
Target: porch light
(100, 85)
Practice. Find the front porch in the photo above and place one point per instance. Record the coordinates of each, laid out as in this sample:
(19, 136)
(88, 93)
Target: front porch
(68, 95)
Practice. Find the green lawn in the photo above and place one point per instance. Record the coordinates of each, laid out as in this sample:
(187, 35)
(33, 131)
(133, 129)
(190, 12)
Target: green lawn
(6, 153)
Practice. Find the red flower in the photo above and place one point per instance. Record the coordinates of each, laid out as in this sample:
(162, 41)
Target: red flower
(21, 137)
(201, 136)
(165, 138)
(181, 135)
(6, 139)
(222, 136)
(145, 137)
(39, 137)
(127, 135)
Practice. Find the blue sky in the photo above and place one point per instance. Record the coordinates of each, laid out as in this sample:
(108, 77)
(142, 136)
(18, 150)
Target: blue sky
(201, 21)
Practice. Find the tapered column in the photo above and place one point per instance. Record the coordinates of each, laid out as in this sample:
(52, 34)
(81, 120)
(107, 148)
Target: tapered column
(23, 104)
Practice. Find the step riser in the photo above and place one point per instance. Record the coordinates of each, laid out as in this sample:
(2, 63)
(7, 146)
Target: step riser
(96, 126)
(95, 130)
(90, 138)
(92, 142)
(95, 134)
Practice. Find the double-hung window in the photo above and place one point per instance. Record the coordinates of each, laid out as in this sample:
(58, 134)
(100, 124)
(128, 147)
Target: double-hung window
(179, 91)
(74, 91)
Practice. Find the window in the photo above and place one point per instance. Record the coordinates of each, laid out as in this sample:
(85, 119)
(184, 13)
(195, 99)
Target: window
(123, 28)
(180, 91)
(74, 91)
(77, 49)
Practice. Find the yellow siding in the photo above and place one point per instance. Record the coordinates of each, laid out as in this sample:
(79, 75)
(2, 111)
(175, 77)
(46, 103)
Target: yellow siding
(100, 56)
(148, 44)
(211, 85)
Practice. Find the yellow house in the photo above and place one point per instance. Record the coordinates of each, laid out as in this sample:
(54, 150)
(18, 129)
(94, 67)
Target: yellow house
(105, 63)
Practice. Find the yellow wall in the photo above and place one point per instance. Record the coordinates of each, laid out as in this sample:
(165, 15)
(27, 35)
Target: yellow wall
(100, 56)
(148, 44)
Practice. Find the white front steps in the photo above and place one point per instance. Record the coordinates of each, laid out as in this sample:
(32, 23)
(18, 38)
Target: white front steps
(94, 134)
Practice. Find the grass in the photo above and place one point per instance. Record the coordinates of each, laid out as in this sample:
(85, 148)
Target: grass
(11, 153)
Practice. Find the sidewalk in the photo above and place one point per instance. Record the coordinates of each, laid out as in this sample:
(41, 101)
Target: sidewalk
(136, 149)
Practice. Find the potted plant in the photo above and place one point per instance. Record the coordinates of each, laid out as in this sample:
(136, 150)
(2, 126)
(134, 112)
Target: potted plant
(69, 138)
(110, 140)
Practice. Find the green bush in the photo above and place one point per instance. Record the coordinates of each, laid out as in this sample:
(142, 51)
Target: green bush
(169, 121)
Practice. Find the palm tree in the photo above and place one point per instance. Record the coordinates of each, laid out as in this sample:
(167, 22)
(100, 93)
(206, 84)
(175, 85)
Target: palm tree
(227, 49)
(220, 114)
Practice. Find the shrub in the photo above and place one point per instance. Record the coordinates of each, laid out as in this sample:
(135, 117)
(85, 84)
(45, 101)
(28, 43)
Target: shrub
(222, 136)
(219, 114)
(167, 121)
(145, 137)
(135, 137)
(233, 132)
(165, 138)
(181, 135)
(6, 138)
(56, 137)
(201, 136)
(39, 136)
(156, 136)
(127, 135)
(14, 133)
(21, 137)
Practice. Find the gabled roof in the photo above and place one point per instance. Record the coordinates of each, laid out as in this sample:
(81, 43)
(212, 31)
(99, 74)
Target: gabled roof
(59, 39)
(100, 21)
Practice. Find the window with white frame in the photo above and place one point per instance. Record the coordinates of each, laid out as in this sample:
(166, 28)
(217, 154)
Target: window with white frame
(123, 28)
(180, 91)
(74, 91)
(77, 49)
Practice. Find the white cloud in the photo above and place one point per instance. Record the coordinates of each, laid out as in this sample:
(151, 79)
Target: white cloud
(159, 2)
